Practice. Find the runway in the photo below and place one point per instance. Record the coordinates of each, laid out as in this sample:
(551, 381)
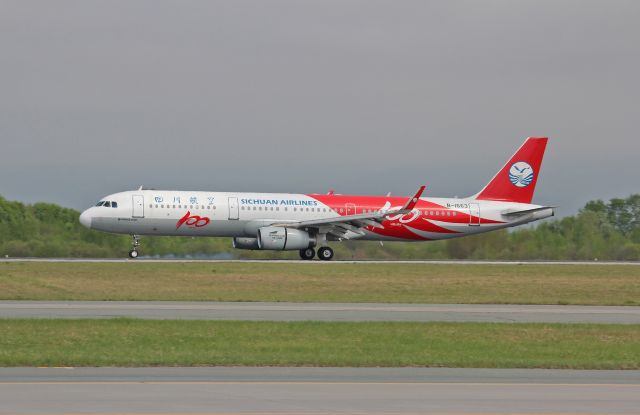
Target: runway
(320, 311)
(318, 262)
(318, 390)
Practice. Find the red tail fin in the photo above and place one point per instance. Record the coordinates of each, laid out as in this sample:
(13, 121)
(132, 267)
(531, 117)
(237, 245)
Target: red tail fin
(516, 181)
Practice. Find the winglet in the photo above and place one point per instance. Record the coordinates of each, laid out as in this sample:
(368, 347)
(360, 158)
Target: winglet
(411, 203)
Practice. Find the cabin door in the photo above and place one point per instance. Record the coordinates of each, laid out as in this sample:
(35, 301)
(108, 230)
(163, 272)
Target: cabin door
(350, 209)
(138, 206)
(474, 214)
(234, 209)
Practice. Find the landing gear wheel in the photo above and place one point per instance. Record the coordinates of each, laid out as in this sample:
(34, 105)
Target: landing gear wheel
(307, 254)
(325, 253)
(135, 242)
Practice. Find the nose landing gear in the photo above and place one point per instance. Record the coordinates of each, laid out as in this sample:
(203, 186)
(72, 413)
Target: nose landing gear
(136, 243)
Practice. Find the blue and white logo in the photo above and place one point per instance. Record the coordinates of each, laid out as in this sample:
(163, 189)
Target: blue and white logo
(521, 174)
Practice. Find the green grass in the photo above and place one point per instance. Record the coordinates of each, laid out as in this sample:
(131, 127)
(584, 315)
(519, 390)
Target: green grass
(124, 342)
(383, 283)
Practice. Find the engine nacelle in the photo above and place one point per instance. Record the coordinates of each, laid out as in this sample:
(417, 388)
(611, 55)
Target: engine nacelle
(245, 243)
(283, 239)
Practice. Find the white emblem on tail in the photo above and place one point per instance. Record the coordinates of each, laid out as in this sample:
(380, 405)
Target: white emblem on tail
(521, 174)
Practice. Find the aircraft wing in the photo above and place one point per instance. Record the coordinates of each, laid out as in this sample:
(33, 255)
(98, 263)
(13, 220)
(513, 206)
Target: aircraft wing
(342, 226)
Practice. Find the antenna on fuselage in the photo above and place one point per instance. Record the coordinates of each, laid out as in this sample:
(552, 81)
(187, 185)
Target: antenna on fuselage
(140, 188)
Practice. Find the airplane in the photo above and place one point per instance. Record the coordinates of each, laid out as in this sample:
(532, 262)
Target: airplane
(302, 222)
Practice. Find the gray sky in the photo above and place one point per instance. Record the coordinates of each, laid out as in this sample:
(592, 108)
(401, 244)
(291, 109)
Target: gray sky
(304, 96)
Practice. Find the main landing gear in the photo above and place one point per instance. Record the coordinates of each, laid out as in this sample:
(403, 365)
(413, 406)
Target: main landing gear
(324, 253)
(136, 243)
(307, 254)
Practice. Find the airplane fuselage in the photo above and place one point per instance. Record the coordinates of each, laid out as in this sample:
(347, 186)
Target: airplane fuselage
(179, 213)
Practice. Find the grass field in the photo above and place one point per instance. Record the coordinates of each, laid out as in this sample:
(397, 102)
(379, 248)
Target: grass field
(385, 283)
(193, 343)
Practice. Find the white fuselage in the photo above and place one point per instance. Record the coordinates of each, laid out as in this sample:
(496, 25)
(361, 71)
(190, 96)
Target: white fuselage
(228, 214)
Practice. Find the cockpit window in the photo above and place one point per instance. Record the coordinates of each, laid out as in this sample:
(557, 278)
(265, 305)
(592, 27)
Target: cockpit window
(107, 204)
(100, 203)
(114, 204)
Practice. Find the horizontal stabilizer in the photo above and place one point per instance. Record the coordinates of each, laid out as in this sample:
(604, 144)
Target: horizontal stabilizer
(512, 212)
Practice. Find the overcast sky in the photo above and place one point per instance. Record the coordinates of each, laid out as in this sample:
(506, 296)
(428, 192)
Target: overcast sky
(362, 97)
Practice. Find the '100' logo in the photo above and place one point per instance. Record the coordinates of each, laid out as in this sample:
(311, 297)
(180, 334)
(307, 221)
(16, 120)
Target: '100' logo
(192, 221)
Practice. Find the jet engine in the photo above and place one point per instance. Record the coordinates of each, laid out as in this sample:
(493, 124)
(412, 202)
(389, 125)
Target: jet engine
(245, 243)
(283, 239)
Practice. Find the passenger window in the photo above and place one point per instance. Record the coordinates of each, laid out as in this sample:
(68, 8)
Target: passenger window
(114, 204)
(107, 204)
(454, 213)
(295, 209)
(150, 206)
(174, 206)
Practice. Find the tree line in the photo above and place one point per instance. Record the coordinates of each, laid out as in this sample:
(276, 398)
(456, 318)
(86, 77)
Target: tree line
(599, 231)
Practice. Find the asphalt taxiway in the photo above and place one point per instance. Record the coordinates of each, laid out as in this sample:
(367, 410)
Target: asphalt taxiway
(317, 390)
(320, 311)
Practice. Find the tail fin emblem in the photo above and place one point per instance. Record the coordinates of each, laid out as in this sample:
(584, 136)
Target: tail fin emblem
(521, 174)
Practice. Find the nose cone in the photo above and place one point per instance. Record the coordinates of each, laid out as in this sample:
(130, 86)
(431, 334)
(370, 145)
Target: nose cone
(85, 218)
